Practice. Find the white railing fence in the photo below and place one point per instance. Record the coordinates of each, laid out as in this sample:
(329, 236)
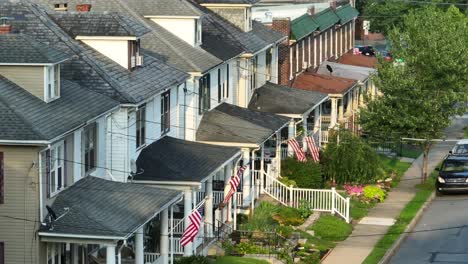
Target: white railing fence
(178, 226)
(325, 136)
(218, 197)
(178, 249)
(315, 199)
(150, 257)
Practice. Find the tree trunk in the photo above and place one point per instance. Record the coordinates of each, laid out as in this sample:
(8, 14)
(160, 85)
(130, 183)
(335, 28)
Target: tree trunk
(426, 149)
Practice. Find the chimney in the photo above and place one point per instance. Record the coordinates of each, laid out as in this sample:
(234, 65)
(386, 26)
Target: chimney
(333, 5)
(5, 28)
(83, 7)
(282, 25)
(311, 11)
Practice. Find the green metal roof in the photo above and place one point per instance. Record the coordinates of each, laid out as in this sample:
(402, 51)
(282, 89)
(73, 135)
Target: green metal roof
(346, 13)
(326, 18)
(303, 26)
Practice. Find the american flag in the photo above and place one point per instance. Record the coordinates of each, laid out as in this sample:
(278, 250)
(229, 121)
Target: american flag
(313, 149)
(192, 230)
(300, 155)
(234, 183)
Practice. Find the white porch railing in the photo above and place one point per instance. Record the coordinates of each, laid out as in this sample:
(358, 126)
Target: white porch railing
(178, 226)
(150, 257)
(326, 119)
(325, 136)
(316, 199)
(178, 249)
(218, 197)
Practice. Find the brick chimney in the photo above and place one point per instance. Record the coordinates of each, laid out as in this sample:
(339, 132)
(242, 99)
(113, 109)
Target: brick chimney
(5, 28)
(83, 7)
(333, 5)
(282, 25)
(311, 11)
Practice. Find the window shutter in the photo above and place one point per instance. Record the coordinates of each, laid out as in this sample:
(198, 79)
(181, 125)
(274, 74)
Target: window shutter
(2, 253)
(2, 190)
(47, 172)
(227, 80)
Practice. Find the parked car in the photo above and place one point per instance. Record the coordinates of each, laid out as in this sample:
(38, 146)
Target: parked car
(461, 148)
(367, 50)
(453, 175)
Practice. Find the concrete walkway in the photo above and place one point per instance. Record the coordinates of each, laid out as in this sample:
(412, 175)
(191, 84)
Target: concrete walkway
(366, 235)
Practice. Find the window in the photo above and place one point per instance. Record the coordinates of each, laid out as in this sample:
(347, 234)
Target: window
(227, 82)
(204, 94)
(52, 82)
(220, 87)
(140, 126)
(134, 58)
(253, 75)
(2, 253)
(269, 57)
(56, 168)
(165, 112)
(61, 7)
(2, 192)
(89, 147)
(198, 32)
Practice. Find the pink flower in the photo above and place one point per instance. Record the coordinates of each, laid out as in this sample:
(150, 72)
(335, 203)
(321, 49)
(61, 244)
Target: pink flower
(353, 189)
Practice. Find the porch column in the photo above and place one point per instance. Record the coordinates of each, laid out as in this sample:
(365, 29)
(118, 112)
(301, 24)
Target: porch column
(341, 108)
(356, 98)
(187, 210)
(318, 124)
(164, 238)
(262, 169)
(139, 254)
(291, 134)
(361, 95)
(209, 207)
(334, 110)
(246, 179)
(349, 104)
(110, 254)
(227, 175)
(278, 154)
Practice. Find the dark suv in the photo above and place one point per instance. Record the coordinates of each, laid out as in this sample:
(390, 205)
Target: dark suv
(453, 175)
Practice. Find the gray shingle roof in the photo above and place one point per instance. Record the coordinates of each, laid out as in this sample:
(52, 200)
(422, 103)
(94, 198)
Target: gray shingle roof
(18, 48)
(164, 8)
(274, 98)
(267, 34)
(248, 2)
(35, 119)
(88, 67)
(102, 208)
(171, 159)
(98, 24)
(229, 123)
(346, 71)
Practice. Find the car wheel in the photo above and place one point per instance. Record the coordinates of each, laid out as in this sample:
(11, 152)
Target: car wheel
(439, 193)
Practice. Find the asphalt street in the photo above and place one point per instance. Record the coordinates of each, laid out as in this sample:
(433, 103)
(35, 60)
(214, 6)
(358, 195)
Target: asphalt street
(441, 236)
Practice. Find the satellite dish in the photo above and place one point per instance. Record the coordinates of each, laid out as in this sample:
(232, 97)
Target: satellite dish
(51, 213)
(133, 166)
(330, 69)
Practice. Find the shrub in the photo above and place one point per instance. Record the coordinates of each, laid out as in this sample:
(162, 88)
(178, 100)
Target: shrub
(372, 192)
(288, 216)
(313, 258)
(304, 174)
(262, 218)
(348, 159)
(305, 209)
(288, 182)
(192, 260)
(285, 231)
(249, 248)
(331, 228)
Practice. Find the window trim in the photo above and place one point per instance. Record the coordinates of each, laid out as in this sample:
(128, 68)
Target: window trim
(92, 167)
(268, 62)
(165, 113)
(51, 83)
(57, 166)
(204, 93)
(2, 178)
(140, 127)
(220, 87)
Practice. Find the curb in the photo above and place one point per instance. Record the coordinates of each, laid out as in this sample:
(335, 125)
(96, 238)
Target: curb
(390, 252)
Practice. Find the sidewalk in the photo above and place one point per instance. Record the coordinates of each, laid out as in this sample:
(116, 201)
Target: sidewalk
(362, 240)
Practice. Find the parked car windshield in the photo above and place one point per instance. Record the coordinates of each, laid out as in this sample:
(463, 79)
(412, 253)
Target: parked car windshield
(455, 166)
(461, 149)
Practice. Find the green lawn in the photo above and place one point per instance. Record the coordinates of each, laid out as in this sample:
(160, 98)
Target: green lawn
(359, 209)
(392, 164)
(331, 228)
(408, 213)
(465, 130)
(239, 260)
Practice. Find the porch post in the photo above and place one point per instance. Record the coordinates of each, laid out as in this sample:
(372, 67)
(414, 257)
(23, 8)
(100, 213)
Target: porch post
(227, 175)
(333, 112)
(262, 170)
(110, 254)
(341, 108)
(187, 210)
(164, 238)
(361, 95)
(139, 254)
(209, 207)
(318, 123)
(291, 134)
(278, 154)
(349, 104)
(246, 186)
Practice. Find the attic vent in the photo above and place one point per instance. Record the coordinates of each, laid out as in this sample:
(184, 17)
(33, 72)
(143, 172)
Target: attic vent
(61, 7)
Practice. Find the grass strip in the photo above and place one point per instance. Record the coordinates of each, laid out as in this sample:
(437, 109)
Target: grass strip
(409, 212)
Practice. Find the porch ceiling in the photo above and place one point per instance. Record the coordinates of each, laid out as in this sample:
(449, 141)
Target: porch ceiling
(171, 159)
(98, 209)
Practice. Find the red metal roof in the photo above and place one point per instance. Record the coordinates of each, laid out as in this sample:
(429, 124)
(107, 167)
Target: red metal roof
(358, 60)
(323, 83)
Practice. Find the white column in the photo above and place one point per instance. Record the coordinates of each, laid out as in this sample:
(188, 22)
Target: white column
(317, 118)
(341, 108)
(306, 133)
(139, 254)
(278, 154)
(209, 207)
(262, 169)
(227, 175)
(291, 134)
(187, 211)
(164, 239)
(315, 52)
(246, 188)
(333, 112)
(321, 49)
(110, 254)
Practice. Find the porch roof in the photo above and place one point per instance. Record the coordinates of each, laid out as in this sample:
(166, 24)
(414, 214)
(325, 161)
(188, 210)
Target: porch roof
(102, 209)
(233, 124)
(323, 83)
(346, 71)
(171, 159)
(358, 60)
(279, 99)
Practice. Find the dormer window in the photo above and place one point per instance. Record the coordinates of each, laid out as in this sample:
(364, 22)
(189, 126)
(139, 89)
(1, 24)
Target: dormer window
(52, 82)
(61, 7)
(134, 57)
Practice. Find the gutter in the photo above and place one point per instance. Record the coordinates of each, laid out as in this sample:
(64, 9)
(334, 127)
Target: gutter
(25, 142)
(46, 234)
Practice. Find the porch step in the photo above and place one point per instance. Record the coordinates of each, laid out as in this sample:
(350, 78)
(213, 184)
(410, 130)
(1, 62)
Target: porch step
(215, 249)
(267, 198)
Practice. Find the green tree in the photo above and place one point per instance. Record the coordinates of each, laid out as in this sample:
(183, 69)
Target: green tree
(421, 95)
(304, 174)
(348, 159)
